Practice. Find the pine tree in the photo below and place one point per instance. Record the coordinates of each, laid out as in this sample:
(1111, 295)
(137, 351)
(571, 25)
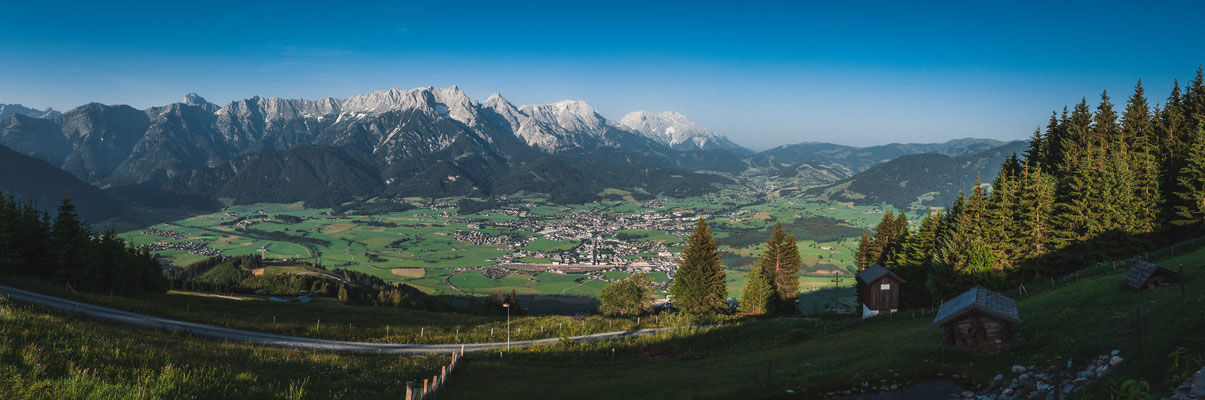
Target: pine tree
(1104, 126)
(1056, 139)
(1191, 193)
(913, 260)
(1037, 147)
(1035, 205)
(699, 284)
(786, 277)
(67, 237)
(1001, 211)
(757, 296)
(862, 256)
(1137, 130)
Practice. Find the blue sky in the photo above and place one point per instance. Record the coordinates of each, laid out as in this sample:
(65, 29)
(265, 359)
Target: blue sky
(850, 72)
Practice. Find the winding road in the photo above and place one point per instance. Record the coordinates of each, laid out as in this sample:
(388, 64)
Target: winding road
(269, 339)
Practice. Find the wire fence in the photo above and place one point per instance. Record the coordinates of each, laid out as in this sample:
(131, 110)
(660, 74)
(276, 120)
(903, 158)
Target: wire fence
(433, 386)
(1105, 267)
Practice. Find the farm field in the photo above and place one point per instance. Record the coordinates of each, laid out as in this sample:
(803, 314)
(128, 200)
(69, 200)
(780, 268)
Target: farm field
(438, 251)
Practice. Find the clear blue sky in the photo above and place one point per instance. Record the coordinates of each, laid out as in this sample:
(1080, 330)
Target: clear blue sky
(851, 72)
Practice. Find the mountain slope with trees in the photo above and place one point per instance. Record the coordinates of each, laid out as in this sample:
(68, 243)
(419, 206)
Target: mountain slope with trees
(1095, 184)
(28, 178)
(915, 182)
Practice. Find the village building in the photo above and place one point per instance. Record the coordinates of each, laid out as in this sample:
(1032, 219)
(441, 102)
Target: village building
(1147, 275)
(880, 291)
(979, 319)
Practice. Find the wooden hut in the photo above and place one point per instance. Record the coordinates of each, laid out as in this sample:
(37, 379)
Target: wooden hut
(980, 319)
(880, 291)
(1147, 275)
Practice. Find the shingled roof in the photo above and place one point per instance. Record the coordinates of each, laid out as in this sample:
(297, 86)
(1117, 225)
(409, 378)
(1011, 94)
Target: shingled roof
(983, 300)
(874, 272)
(1141, 271)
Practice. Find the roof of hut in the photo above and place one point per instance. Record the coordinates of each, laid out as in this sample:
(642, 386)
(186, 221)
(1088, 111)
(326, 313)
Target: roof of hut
(1141, 271)
(874, 272)
(978, 298)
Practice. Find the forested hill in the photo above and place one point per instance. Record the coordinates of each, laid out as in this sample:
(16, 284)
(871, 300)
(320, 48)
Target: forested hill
(28, 178)
(1096, 184)
(916, 182)
(858, 159)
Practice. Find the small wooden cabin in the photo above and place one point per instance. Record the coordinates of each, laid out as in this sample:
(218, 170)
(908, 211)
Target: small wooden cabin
(1147, 275)
(880, 291)
(979, 319)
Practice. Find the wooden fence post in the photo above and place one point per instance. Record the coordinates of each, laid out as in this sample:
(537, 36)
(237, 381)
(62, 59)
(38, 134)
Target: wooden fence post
(425, 388)
(410, 390)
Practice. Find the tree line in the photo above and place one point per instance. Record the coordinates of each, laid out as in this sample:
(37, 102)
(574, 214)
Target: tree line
(699, 286)
(64, 249)
(1094, 184)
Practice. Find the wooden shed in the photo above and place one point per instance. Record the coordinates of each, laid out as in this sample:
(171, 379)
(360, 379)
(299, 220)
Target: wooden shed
(1147, 275)
(979, 319)
(880, 291)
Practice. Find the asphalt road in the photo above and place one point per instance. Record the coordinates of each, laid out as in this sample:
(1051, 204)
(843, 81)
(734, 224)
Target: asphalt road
(268, 339)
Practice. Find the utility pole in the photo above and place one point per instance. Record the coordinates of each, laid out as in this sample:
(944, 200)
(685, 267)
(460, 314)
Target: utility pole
(836, 288)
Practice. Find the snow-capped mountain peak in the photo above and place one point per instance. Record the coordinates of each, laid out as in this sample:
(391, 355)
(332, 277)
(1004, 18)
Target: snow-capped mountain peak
(450, 102)
(675, 130)
(10, 109)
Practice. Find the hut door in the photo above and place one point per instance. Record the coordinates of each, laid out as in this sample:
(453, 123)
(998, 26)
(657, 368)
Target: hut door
(883, 296)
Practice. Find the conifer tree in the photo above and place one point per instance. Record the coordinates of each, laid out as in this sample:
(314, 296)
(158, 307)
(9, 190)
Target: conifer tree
(862, 256)
(699, 284)
(1035, 206)
(68, 240)
(1191, 207)
(786, 277)
(913, 260)
(1056, 138)
(1001, 226)
(1037, 147)
(757, 296)
(1104, 126)
(1137, 128)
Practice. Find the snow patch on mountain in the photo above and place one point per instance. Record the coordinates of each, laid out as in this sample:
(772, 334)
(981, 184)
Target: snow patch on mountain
(10, 109)
(450, 103)
(674, 130)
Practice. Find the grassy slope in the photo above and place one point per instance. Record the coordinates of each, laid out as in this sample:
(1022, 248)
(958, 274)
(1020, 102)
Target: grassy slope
(1080, 320)
(338, 321)
(48, 355)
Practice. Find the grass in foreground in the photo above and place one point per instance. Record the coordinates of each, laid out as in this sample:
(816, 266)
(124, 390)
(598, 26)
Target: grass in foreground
(49, 355)
(1079, 320)
(324, 318)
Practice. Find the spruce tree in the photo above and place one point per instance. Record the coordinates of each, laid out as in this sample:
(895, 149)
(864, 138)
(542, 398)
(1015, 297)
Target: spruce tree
(1037, 148)
(786, 277)
(699, 284)
(862, 255)
(1191, 193)
(1035, 206)
(757, 296)
(70, 240)
(1104, 126)
(1138, 131)
(913, 260)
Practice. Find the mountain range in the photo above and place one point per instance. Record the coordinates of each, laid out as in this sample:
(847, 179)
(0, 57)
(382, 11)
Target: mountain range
(426, 142)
